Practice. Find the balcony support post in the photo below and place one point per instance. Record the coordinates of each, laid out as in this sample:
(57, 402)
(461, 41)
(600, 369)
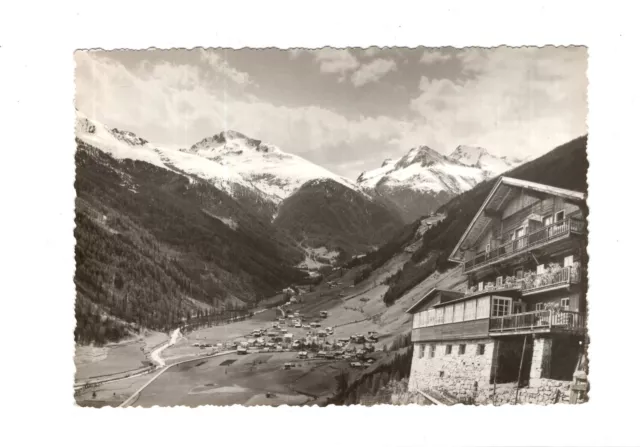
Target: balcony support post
(524, 347)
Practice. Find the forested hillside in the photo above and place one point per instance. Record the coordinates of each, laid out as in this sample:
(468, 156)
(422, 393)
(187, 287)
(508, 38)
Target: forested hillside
(153, 247)
(327, 213)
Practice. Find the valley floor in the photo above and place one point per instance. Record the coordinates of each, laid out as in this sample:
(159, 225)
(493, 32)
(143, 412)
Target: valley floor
(233, 379)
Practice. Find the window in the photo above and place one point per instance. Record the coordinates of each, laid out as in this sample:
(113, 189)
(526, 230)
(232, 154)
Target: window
(439, 315)
(432, 351)
(447, 350)
(564, 303)
(431, 317)
(499, 282)
(421, 353)
(519, 240)
(480, 286)
(500, 307)
(539, 306)
(559, 216)
(458, 312)
(518, 307)
(480, 349)
(568, 261)
(461, 349)
(448, 314)
(483, 308)
(547, 220)
(519, 272)
(423, 318)
(470, 310)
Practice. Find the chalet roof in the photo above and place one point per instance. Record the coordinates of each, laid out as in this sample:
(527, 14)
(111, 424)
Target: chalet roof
(513, 292)
(505, 189)
(448, 294)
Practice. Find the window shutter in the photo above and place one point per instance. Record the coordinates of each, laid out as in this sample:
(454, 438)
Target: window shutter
(499, 281)
(540, 269)
(568, 261)
(480, 286)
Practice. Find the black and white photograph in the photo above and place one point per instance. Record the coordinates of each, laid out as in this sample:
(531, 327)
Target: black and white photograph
(331, 226)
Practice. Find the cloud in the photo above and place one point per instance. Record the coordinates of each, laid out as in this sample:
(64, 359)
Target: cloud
(336, 61)
(219, 65)
(511, 101)
(372, 72)
(434, 57)
(177, 105)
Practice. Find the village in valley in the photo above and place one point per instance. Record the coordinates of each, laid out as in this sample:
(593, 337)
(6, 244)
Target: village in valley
(512, 331)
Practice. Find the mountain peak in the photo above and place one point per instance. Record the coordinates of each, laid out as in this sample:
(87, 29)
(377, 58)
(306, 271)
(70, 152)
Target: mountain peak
(469, 155)
(231, 141)
(423, 155)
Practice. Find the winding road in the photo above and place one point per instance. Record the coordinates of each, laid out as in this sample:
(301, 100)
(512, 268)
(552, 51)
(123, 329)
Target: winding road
(155, 355)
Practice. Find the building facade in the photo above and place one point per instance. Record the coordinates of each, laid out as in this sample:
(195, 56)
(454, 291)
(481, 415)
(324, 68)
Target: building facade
(517, 331)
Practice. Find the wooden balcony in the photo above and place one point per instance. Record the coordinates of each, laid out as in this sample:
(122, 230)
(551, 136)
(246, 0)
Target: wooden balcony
(535, 283)
(550, 281)
(539, 321)
(536, 239)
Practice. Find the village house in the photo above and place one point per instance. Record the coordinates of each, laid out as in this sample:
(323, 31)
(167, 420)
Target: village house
(515, 332)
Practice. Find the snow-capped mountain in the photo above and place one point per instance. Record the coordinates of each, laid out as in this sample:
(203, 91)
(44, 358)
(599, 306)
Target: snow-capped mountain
(122, 144)
(284, 189)
(274, 172)
(229, 160)
(424, 179)
(423, 169)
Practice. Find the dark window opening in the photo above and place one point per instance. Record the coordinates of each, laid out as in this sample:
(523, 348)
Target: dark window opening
(448, 350)
(432, 351)
(507, 358)
(461, 349)
(441, 373)
(480, 349)
(565, 353)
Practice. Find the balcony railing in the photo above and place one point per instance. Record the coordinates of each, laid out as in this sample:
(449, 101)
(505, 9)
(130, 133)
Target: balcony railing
(539, 320)
(543, 281)
(535, 239)
(535, 282)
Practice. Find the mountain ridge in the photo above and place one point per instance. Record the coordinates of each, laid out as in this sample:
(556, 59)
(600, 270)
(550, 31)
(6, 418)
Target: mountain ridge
(424, 179)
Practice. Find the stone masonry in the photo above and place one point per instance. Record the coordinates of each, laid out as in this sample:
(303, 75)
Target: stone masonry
(460, 374)
(467, 376)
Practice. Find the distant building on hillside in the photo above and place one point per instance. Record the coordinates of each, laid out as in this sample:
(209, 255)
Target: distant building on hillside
(519, 327)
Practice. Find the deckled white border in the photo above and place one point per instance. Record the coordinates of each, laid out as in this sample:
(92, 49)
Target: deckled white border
(36, 131)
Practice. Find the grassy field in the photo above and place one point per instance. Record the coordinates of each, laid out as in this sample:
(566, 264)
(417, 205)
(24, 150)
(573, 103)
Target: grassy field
(246, 381)
(110, 394)
(115, 358)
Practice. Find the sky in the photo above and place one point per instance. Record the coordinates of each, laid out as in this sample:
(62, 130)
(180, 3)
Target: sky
(345, 109)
